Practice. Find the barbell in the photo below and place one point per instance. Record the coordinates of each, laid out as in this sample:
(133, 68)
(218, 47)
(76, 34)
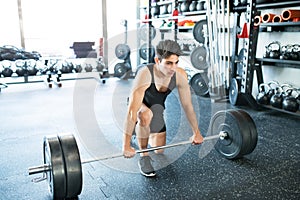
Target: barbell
(62, 168)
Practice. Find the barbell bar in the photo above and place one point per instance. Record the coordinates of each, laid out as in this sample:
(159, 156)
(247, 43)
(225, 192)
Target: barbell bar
(46, 167)
(237, 136)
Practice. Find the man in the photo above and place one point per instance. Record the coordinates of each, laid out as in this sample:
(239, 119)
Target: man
(151, 86)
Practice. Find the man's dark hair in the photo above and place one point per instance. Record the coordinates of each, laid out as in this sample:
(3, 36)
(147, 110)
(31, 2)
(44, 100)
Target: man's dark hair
(166, 48)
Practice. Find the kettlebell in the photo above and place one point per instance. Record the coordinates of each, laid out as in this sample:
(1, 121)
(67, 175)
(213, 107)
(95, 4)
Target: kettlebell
(199, 6)
(100, 66)
(78, 68)
(262, 97)
(88, 68)
(64, 67)
(294, 55)
(289, 102)
(277, 98)
(163, 9)
(272, 51)
(273, 85)
(185, 6)
(20, 71)
(31, 67)
(193, 6)
(7, 71)
(155, 10)
(297, 50)
(285, 52)
(204, 5)
(275, 52)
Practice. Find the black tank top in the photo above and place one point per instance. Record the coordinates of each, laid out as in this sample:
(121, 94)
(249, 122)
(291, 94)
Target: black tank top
(152, 95)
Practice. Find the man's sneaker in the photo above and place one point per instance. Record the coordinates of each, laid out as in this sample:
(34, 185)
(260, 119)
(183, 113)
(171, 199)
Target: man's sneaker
(145, 166)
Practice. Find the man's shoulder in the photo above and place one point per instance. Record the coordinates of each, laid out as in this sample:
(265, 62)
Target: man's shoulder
(143, 75)
(181, 77)
(180, 71)
(144, 69)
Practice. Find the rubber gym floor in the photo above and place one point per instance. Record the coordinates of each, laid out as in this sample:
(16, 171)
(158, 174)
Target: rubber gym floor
(94, 112)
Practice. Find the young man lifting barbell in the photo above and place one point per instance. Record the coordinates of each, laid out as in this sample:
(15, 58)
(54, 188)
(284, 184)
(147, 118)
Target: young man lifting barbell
(152, 84)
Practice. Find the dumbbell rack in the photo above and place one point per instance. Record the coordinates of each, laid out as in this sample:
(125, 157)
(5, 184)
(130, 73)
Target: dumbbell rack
(53, 78)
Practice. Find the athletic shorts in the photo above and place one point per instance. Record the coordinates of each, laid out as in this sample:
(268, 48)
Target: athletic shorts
(157, 124)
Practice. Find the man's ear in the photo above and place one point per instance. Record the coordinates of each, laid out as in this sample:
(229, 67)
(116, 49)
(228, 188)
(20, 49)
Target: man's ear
(156, 60)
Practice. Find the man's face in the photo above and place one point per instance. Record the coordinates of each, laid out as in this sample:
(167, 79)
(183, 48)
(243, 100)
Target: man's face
(168, 65)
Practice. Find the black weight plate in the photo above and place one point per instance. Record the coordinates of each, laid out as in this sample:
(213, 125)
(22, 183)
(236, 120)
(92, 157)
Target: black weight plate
(253, 131)
(198, 31)
(246, 132)
(121, 70)
(73, 168)
(199, 83)
(122, 51)
(198, 58)
(241, 56)
(235, 97)
(228, 121)
(144, 51)
(145, 31)
(233, 91)
(56, 177)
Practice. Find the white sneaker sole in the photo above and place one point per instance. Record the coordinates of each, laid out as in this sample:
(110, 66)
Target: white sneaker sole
(147, 175)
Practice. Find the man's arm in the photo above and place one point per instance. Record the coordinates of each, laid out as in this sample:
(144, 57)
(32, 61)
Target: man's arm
(186, 102)
(140, 84)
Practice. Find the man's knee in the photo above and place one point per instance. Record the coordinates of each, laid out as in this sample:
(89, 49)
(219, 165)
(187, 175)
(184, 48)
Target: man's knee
(145, 117)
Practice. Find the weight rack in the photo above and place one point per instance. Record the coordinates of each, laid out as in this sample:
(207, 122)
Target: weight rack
(249, 66)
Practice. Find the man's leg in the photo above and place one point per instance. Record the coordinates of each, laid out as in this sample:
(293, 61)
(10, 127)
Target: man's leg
(142, 132)
(158, 139)
(143, 127)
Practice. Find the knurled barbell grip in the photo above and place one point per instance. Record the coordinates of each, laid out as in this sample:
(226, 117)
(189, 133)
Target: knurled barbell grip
(45, 167)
